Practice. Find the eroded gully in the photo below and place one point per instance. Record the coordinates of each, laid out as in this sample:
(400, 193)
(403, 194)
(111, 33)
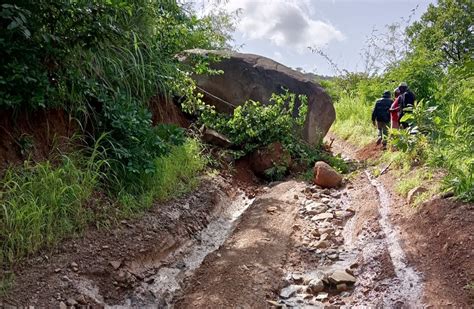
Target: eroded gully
(343, 251)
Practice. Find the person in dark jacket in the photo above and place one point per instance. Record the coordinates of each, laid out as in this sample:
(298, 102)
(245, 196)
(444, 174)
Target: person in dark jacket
(406, 99)
(381, 117)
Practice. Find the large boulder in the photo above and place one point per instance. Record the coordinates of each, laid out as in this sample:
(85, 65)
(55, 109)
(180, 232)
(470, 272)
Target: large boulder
(325, 176)
(254, 77)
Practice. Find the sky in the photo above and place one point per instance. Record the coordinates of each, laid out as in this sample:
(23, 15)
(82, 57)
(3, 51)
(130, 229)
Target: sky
(285, 29)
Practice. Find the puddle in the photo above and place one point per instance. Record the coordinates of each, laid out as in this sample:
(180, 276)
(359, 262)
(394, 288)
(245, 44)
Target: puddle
(163, 285)
(409, 287)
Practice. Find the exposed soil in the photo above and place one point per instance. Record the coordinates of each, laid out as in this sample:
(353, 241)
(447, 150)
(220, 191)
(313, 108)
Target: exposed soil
(247, 269)
(35, 134)
(98, 267)
(236, 242)
(437, 237)
(32, 134)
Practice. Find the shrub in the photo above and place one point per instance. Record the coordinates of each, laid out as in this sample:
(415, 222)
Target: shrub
(253, 124)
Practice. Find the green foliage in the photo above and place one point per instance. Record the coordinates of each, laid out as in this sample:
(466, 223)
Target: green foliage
(175, 174)
(46, 202)
(103, 61)
(253, 124)
(445, 29)
(353, 120)
(43, 203)
(439, 70)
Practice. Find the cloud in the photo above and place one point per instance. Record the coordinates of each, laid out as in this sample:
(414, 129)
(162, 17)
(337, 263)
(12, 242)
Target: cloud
(284, 23)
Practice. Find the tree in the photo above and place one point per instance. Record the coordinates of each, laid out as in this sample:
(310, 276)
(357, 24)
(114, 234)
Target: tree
(446, 28)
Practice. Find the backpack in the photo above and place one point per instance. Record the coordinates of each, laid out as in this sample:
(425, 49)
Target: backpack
(406, 99)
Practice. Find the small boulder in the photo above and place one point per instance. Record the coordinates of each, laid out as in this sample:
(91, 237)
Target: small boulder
(414, 193)
(341, 276)
(290, 290)
(315, 286)
(325, 176)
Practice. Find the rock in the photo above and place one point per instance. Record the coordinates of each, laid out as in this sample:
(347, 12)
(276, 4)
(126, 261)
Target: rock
(65, 278)
(343, 214)
(414, 193)
(71, 302)
(336, 194)
(265, 158)
(341, 287)
(322, 244)
(115, 264)
(324, 230)
(297, 278)
(323, 216)
(315, 208)
(215, 138)
(57, 270)
(74, 265)
(274, 303)
(341, 276)
(272, 209)
(82, 300)
(62, 305)
(322, 296)
(290, 290)
(325, 176)
(324, 236)
(315, 286)
(248, 76)
(325, 200)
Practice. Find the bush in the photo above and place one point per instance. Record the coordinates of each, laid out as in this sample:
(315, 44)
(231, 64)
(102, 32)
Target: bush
(254, 125)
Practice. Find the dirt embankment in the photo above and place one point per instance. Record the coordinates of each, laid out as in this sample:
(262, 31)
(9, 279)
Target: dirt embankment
(35, 134)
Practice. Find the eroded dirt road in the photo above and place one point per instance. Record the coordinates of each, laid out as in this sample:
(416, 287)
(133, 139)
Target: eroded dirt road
(286, 244)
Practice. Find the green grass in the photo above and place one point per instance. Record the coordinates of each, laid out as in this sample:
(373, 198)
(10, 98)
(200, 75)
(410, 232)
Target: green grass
(44, 203)
(408, 182)
(175, 174)
(353, 121)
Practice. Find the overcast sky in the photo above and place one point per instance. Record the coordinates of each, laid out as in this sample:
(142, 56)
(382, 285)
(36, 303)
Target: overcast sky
(284, 29)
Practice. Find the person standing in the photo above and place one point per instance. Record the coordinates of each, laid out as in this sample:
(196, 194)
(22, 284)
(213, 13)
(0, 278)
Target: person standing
(381, 117)
(406, 100)
(394, 111)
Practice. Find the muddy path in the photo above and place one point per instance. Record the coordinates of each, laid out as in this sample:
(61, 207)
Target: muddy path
(285, 244)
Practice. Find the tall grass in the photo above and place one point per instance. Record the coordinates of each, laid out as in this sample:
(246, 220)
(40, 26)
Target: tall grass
(176, 173)
(353, 120)
(43, 203)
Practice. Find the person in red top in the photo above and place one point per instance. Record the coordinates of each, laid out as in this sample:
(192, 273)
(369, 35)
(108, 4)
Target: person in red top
(394, 111)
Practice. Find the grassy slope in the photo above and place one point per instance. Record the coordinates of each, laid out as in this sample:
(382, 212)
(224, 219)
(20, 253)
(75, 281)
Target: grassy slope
(44, 203)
